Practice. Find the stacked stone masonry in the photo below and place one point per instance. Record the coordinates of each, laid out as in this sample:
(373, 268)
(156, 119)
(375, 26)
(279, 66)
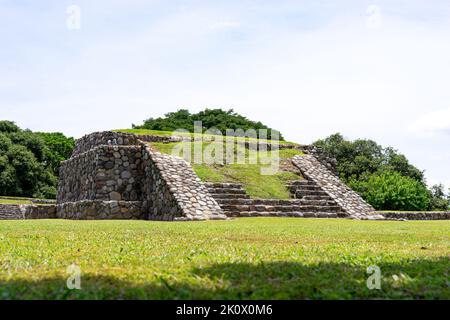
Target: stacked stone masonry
(437, 215)
(96, 139)
(27, 211)
(12, 211)
(118, 176)
(108, 173)
(115, 175)
(236, 203)
(173, 184)
(350, 202)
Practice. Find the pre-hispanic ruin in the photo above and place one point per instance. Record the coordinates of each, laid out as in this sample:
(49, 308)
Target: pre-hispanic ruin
(115, 175)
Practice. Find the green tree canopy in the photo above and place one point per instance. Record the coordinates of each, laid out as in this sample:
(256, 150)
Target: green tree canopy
(359, 158)
(29, 161)
(382, 176)
(211, 118)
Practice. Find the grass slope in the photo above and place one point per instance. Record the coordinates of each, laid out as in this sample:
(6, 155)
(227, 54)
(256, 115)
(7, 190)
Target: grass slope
(256, 184)
(254, 258)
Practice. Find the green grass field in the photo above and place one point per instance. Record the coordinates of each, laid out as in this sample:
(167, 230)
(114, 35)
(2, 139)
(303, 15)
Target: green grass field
(253, 258)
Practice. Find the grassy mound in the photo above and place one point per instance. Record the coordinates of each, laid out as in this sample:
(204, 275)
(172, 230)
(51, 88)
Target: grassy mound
(252, 258)
(250, 174)
(257, 185)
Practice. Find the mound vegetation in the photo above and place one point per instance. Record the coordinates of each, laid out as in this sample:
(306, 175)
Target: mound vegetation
(218, 119)
(250, 173)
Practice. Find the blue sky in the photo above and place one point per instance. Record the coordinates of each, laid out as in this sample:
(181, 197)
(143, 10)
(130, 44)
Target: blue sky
(372, 69)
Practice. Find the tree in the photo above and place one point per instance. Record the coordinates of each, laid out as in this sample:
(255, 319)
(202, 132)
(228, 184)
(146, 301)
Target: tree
(8, 126)
(29, 161)
(439, 200)
(210, 118)
(58, 148)
(369, 168)
(359, 158)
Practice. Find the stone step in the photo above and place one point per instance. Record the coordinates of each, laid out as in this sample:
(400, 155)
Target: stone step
(268, 202)
(223, 185)
(327, 197)
(228, 196)
(302, 183)
(301, 202)
(327, 202)
(285, 214)
(214, 191)
(305, 188)
(281, 208)
(301, 194)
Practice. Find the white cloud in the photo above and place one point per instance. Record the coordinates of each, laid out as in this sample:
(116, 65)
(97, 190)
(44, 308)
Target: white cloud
(308, 79)
(433, 123)
(225, 25)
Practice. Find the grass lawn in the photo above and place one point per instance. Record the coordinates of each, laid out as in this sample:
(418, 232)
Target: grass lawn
(250, 175)
(20, 200)
(15, 201)
(253, 258)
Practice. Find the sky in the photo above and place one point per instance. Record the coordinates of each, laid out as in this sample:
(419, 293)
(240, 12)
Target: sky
(367, 69)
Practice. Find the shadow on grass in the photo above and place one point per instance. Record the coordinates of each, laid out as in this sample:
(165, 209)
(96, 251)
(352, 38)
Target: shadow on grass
(411, 279)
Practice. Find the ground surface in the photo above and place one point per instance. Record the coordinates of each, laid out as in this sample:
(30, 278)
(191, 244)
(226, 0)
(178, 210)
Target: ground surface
(253, 258)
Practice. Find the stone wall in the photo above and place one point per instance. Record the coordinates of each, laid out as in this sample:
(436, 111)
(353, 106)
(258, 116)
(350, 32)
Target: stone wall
(40, 212)
(174, 191)
(122, 178)
(327, 161)
(26, 211)
(421, 215)
(345, 197)
(11, 211)
(98, 210)
(90, 141)
(102, 173)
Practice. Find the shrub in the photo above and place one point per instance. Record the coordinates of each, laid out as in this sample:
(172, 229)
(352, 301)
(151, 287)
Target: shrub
(391, 191)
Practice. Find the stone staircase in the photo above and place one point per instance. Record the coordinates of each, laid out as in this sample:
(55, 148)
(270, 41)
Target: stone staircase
(236, 203)
(310, 194)
(350, 202)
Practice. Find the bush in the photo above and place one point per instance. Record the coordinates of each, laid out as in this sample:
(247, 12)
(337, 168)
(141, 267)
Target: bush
(392, 191)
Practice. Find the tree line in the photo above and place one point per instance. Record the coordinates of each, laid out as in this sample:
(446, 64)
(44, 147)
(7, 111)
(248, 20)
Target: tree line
(211, 118)
(382, 176)
(29, 161)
